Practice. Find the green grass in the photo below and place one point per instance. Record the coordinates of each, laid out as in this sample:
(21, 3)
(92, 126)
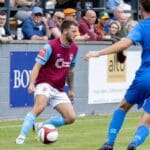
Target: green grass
(87, 133)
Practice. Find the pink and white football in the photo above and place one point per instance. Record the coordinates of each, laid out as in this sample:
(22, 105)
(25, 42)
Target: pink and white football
(48, 134)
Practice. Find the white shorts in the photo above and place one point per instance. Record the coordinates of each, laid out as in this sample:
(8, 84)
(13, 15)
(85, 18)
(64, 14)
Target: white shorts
(54, 96)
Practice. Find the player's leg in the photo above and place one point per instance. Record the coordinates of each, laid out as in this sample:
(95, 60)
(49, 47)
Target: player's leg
(63, 105)
(115, 125)
(136, 94)
(67, 111)
(142, 89)
(67, 115)
(41, 99)
(142, 131)
(39, 106)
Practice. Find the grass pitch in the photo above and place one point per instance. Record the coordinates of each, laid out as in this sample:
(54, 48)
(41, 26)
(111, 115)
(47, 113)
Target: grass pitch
(87, 133)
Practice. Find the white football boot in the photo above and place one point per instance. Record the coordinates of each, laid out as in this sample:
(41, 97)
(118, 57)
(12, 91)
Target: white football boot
(20, 139)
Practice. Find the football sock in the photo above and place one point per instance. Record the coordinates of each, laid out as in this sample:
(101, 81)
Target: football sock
(115, 125)
(28, 123)
(140, 135)
(57, 121)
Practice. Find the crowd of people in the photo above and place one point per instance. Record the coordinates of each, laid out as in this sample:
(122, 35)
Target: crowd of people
(93, 25)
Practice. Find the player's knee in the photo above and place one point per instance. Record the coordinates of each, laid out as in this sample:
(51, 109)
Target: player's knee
(70, 119)
(124, 106)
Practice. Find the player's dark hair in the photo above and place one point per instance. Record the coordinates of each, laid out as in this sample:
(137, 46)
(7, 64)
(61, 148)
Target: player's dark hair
(145, 4)
(67, 24)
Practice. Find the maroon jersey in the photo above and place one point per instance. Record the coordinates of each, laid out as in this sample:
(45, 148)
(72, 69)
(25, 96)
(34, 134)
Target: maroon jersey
(55, 69)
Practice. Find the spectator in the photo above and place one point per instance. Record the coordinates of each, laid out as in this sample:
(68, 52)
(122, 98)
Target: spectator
(86, 25)
(5, 35)
(14, 3)
(112, 4)
(118, 12)
(70, 14)
(1, 3)
(127, 9)
(50, 4)
(36, 27)
(20, 14)
(114, 28)
(123, 21)
(102, 21)
(55, 24)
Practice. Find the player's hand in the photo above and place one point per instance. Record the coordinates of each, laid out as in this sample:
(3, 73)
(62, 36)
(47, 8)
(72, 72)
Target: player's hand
(31, 88)
(91, 54)
(71, 95)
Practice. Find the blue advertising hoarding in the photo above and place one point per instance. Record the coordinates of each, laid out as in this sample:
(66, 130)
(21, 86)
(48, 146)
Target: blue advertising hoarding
(21, 64)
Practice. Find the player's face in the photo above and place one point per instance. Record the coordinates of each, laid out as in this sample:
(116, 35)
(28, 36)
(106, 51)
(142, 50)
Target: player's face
(71, 33)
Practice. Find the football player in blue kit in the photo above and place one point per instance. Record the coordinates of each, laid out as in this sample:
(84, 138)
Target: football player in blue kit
(139, 91)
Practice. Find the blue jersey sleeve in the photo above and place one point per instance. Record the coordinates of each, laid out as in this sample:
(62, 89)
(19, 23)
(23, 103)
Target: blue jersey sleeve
(73, 61)
(135, 35)
(44, 54)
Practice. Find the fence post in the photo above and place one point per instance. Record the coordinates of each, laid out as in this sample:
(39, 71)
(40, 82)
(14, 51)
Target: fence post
(7, 9)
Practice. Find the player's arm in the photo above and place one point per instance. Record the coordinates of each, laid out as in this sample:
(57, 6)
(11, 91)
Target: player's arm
(70, 78)
(41, 59)
(118, 46)
(134, 37)
(33, 76)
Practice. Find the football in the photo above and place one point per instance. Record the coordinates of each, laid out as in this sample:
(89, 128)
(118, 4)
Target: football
(48, 134)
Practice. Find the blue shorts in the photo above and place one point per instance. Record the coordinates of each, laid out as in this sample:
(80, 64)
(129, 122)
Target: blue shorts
(139, 91)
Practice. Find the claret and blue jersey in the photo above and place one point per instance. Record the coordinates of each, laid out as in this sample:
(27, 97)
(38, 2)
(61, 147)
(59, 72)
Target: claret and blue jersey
(56, 59)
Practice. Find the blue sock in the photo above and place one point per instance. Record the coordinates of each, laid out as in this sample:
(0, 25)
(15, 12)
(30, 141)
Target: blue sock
(140, 135)
(28, 123)
(57, 121)
(115, 125)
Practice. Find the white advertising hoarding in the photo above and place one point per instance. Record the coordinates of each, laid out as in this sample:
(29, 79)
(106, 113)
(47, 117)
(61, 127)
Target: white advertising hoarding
(109, 79)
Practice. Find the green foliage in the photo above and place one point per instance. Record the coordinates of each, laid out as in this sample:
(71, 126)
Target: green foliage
(87, 133)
